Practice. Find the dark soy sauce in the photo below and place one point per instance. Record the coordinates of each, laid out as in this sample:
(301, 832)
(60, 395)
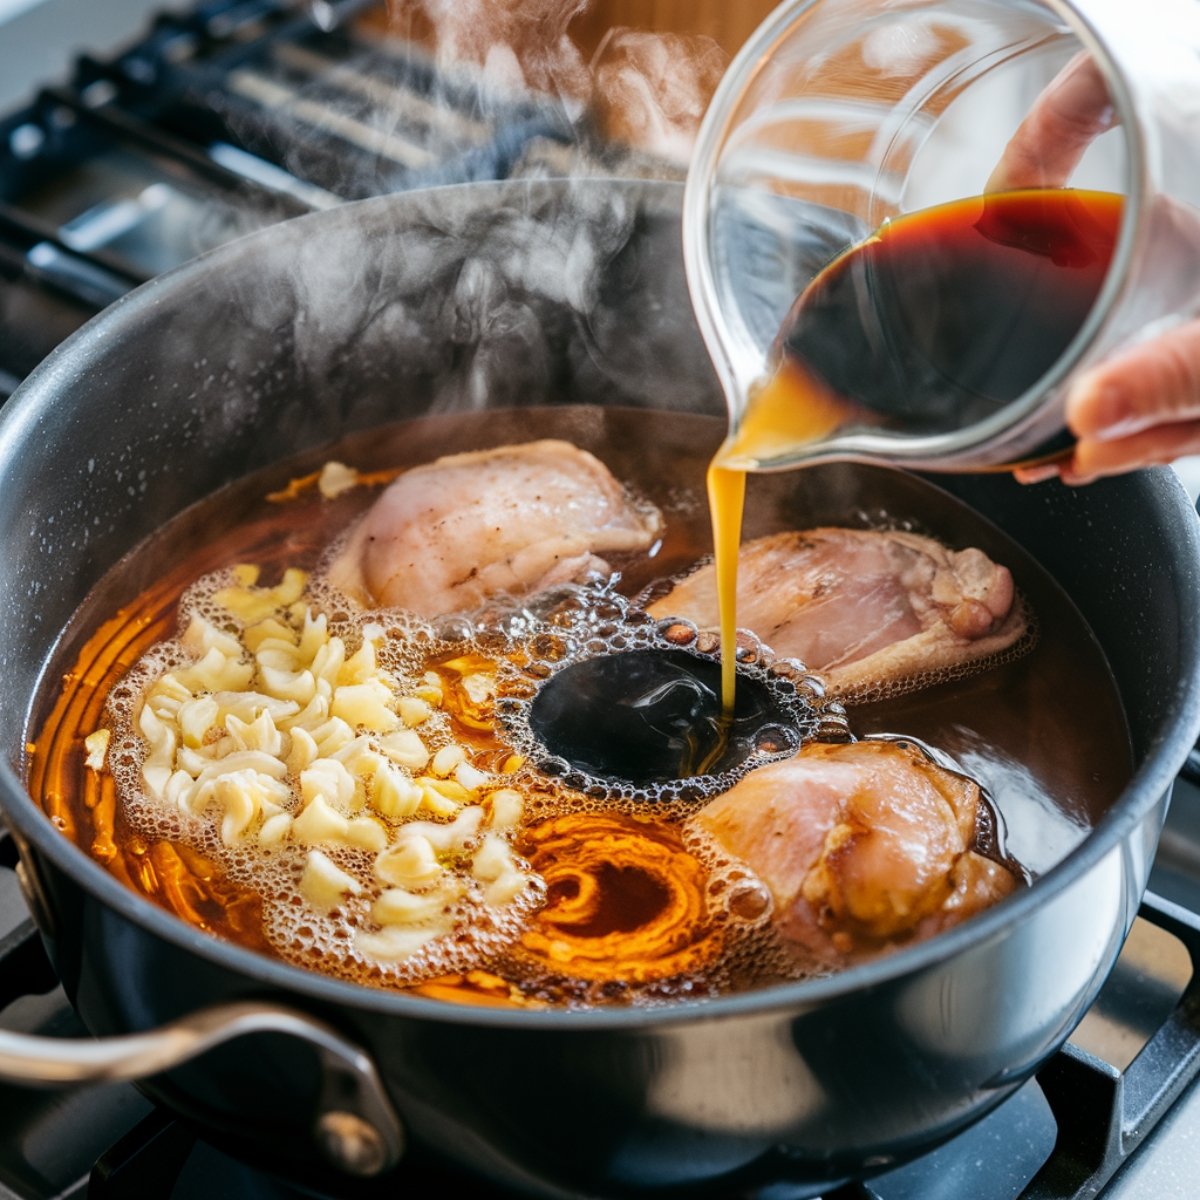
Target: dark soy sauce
(936, 321)
(654, 716)
(946, 315)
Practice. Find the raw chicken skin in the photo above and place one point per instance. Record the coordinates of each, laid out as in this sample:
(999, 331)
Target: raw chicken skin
(863, 608)
(449, 534)
(862, 846)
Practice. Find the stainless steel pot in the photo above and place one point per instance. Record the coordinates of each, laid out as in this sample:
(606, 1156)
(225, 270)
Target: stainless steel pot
(497, 295)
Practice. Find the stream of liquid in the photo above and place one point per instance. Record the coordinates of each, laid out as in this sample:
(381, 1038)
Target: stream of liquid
(936, 321)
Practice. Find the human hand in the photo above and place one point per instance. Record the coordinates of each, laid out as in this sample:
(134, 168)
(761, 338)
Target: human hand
(1141, 407)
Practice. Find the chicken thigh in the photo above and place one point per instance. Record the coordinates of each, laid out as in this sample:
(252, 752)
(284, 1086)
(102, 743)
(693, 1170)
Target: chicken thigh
(866, 609)
(449, 534)
(862, 846)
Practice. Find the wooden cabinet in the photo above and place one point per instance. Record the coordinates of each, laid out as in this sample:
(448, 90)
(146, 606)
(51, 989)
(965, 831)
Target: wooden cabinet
(727, 22)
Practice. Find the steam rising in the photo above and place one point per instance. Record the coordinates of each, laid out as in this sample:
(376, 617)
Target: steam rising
(651, 90)
(471, 300)
(459, 89)
(519, 44)
(645, 90)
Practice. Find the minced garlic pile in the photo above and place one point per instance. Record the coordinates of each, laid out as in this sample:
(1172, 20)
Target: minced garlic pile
(284, 738)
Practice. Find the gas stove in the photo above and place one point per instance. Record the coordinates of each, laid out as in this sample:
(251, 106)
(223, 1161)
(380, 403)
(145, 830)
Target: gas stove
(240, 113)
(228, 118)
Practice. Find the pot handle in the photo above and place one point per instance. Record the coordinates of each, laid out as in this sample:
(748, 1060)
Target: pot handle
(356, 1127)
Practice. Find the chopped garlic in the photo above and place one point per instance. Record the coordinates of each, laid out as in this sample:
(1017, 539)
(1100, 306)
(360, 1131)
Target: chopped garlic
(320, 823)
(253, 604)
(268, 630)
(298, 686)
(336, 478)
(328, 779)
(96, 745)
(399, 906)
(303, 751)
(243, 760)
(430, 689)
(238, 796)
(331, 736)
(241, 794)
(367, 834)
(324, 884)
(201, 636)
(361, 667)
(313, 635)
(360, 759)
(196, 717)
(410, 863)
(413, 711)
(310, 716)
(506, 889)
(470, 777)
(275, 829)
(365, 705)
(248, 706)
(281, 734)
(492, 859)
(405, 748)
(433, 800)
(178, 789)
(446, 759)
(447, 838)
(506, 806)
(393, 795)
(216, 672)
(480, 687)
(394, 943)
(259, 734)
(328, 661)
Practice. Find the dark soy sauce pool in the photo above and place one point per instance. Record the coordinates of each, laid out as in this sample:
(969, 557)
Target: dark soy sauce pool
(1045, 733)
(654, 716)
(947, 314)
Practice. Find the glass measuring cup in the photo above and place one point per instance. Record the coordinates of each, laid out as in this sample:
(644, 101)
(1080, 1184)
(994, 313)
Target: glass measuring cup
(841, 118)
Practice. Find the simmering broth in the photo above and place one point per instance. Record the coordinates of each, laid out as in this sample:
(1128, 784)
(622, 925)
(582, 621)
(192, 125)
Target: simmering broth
(1044, 733)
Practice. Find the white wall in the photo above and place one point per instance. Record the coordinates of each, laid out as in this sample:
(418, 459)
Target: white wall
(40, 38)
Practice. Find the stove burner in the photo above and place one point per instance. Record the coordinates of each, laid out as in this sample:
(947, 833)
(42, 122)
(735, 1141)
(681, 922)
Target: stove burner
(219, 122)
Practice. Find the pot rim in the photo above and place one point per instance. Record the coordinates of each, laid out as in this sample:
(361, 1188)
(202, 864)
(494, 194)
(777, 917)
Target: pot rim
(1153, 779)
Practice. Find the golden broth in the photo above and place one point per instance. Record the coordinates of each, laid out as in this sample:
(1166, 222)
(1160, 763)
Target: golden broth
(1044, 733)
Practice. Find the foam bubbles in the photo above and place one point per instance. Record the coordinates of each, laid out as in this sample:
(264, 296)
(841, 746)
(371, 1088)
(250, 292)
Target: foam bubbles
(529, 641)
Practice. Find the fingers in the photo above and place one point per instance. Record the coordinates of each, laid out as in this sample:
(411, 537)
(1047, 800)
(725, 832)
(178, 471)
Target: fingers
(1038, 474)
(1154, 383)
(1152, 447)
(1095, 459)
(1066, 118)
(1140, 409)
